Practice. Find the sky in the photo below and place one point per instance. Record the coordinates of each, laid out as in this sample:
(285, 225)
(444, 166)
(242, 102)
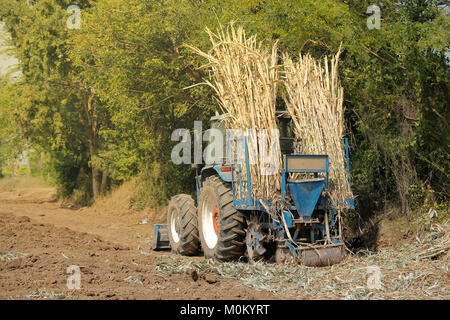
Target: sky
(6, 61)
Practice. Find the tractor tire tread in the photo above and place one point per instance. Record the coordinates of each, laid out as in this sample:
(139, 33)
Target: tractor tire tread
(232, 235)
(189, 239)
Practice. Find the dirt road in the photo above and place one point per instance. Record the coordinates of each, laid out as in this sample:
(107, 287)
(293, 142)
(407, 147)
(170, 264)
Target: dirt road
(39, 240)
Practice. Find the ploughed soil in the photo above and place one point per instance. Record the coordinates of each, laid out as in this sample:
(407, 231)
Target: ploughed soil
(40, 240)
(110, 245)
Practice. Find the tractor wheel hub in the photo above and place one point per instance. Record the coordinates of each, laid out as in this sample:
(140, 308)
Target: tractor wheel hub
(255, 241)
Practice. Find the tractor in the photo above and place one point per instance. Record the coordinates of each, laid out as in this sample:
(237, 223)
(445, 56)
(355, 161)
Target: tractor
(226, 223)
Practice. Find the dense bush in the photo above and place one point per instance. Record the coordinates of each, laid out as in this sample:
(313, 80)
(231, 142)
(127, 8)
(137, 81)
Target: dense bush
(102, 100)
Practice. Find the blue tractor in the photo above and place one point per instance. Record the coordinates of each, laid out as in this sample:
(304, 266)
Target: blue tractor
(226, 223)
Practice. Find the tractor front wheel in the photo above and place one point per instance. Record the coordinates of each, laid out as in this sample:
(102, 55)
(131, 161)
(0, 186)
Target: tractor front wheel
(221, 227)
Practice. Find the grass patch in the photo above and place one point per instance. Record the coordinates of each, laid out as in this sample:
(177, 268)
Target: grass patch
(22, 182)
(418, 270)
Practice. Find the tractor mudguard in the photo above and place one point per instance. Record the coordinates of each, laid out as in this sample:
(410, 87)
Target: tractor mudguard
(225, 176)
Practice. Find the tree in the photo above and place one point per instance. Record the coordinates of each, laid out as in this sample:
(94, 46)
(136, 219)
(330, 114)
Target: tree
(103, 100)
(395, 80)
(132, 55)
(49, 106)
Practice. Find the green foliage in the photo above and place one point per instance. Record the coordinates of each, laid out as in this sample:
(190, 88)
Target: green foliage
(139, 69)
(11, 145)
(48, 107)
(396, 85)
(156, 188)
(129, 56)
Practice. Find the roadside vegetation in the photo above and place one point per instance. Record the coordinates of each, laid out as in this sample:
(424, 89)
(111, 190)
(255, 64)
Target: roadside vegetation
(97, 105)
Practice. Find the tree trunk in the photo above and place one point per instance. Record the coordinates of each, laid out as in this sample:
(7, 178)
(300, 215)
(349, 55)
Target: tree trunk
(104, 181)
(93, 145)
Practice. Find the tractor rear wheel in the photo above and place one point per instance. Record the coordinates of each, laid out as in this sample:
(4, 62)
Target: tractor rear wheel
(221, 227)
(182, 225)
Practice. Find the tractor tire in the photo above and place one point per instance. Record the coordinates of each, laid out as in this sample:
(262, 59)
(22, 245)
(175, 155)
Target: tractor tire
(221, 227)
(182, 225)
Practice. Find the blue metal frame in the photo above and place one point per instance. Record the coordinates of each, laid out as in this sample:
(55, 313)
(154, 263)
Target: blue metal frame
(285, 170)
(348, 160)
(243, 199)
(255, 205)
(161, 237)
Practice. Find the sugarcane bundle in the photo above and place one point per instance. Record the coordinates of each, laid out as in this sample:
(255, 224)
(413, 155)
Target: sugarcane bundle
(314, 98)
(244, 75)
